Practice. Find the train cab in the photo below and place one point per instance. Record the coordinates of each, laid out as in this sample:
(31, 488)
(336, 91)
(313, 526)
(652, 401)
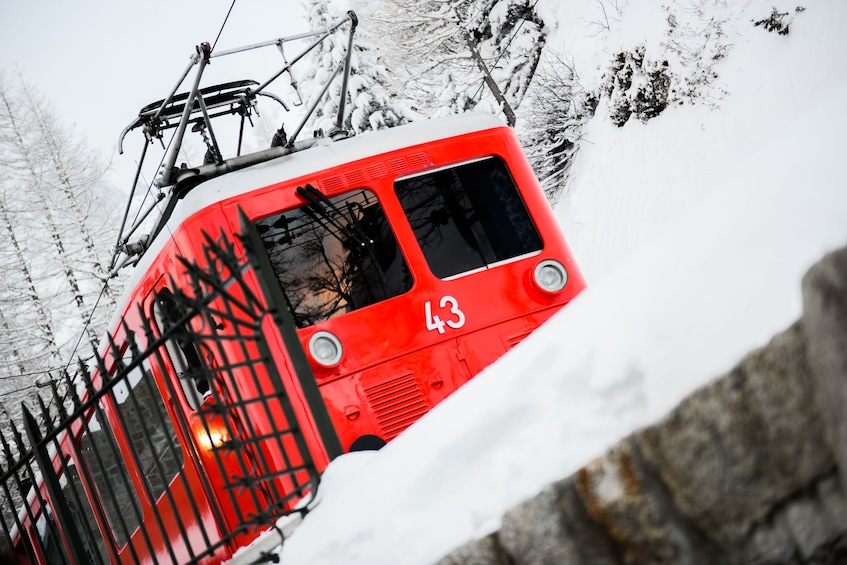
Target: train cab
(411, 260)
(291, 305)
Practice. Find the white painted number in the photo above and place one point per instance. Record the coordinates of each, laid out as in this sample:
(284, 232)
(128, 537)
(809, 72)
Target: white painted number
(454, 309)
(434, 322)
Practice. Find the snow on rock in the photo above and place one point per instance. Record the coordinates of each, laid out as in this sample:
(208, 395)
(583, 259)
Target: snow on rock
(720, 280)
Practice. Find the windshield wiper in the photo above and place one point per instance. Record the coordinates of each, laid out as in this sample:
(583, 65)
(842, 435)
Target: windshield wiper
(320, 205)
(318, 202)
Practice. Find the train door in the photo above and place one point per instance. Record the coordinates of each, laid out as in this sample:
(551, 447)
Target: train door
(144, 481)
(203, 398)
(240, 420)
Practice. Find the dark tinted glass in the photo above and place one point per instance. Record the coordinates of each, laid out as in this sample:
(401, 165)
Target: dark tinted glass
(99, 450)
(149, 429)
(467, 217)
(83, 516)
(335, 257)
(45, 528)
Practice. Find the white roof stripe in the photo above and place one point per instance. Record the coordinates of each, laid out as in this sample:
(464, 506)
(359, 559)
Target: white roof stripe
(314, 159)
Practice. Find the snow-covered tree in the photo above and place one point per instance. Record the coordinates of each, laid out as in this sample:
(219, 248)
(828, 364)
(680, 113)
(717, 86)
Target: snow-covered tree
(370, 105)
(442, 51)
(55, 243)
(552, 120)
(72, 172)
(512, 37)
(25, 302)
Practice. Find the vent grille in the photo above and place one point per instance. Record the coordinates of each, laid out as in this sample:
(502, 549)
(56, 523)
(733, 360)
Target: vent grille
(332, 183)
(355, 178)
(374, 171)
(419, 160)
(377, 170)
(397, 165)
(396, 403)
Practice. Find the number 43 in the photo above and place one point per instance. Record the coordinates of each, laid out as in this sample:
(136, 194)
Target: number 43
(434, 322)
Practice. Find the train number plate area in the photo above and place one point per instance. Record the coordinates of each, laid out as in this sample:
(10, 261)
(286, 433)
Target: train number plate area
(448, 314)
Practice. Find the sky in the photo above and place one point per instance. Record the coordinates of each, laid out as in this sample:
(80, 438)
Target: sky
(693, 231)
(99, 61)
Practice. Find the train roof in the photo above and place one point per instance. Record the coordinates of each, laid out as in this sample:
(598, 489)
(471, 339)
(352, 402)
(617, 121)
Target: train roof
(324, 154)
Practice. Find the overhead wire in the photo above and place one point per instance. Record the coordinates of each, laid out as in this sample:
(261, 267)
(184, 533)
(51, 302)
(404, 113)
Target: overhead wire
(37, 373)
(231, 6)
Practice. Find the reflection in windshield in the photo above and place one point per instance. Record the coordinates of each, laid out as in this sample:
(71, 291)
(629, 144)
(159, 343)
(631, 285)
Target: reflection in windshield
(467, 217)
(334, 255)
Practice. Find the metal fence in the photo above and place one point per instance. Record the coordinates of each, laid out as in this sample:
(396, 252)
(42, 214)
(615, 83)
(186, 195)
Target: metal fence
(210, 477)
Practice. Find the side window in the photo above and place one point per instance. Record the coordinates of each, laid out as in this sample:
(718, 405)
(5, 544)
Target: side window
(183, 355)
(80, 529)
(108, 471)
(82, 514)
(467, 217)
(149, 429)
(52, 546)
(151, 437)
(334, 256)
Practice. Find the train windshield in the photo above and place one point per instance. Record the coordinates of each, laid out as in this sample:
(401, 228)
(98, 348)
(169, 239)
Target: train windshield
(334, 255)
(468, 217)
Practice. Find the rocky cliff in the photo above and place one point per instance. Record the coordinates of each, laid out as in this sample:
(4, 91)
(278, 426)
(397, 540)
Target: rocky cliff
(751, 468)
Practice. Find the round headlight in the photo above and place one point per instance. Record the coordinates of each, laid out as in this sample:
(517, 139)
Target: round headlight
(550, 276)
(325, 348)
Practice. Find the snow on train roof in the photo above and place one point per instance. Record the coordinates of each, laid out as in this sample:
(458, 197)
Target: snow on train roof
(324, 155)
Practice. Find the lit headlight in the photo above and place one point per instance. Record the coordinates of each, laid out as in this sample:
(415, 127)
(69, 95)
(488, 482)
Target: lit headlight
(213, 434)
(325, 348)
(213, 438)
(550, 276)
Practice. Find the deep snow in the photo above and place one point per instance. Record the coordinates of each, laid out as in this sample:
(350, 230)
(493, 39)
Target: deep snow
(693, 231)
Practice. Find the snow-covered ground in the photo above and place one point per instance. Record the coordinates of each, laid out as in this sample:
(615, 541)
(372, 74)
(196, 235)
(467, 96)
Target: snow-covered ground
(693, 231)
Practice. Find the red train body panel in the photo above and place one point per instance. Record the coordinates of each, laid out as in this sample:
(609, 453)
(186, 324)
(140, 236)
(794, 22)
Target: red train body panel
(458, 286)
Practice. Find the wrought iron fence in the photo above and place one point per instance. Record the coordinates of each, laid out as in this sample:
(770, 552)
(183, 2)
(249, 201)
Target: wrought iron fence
(126, 474)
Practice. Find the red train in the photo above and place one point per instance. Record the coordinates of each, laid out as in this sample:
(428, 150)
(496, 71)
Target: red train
(408, 260)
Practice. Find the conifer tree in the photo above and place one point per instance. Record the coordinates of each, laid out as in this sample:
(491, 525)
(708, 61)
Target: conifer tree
(438, 49)
(56, 238)
(25, 299)
(370, 104)
(72, 173)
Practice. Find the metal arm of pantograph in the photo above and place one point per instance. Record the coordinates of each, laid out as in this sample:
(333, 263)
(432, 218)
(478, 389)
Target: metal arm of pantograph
(199, 106)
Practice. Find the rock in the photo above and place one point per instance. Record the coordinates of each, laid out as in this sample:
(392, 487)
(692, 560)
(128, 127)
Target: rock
(734, 449)
(554, 527)
(483, 551)
(750, 468)
(825, 316)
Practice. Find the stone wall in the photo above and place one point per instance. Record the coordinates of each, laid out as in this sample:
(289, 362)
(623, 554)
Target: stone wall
(751, 468)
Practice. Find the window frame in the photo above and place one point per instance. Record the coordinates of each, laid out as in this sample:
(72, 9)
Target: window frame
(519, 198)
(400, 260)
(183, 361)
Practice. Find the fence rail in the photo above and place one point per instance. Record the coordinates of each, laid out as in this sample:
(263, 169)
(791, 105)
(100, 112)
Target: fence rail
(115, 465)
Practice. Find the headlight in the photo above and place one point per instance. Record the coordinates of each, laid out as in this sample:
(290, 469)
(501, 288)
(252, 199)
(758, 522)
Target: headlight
(550, 276)
(325, 348)
(212, 435)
